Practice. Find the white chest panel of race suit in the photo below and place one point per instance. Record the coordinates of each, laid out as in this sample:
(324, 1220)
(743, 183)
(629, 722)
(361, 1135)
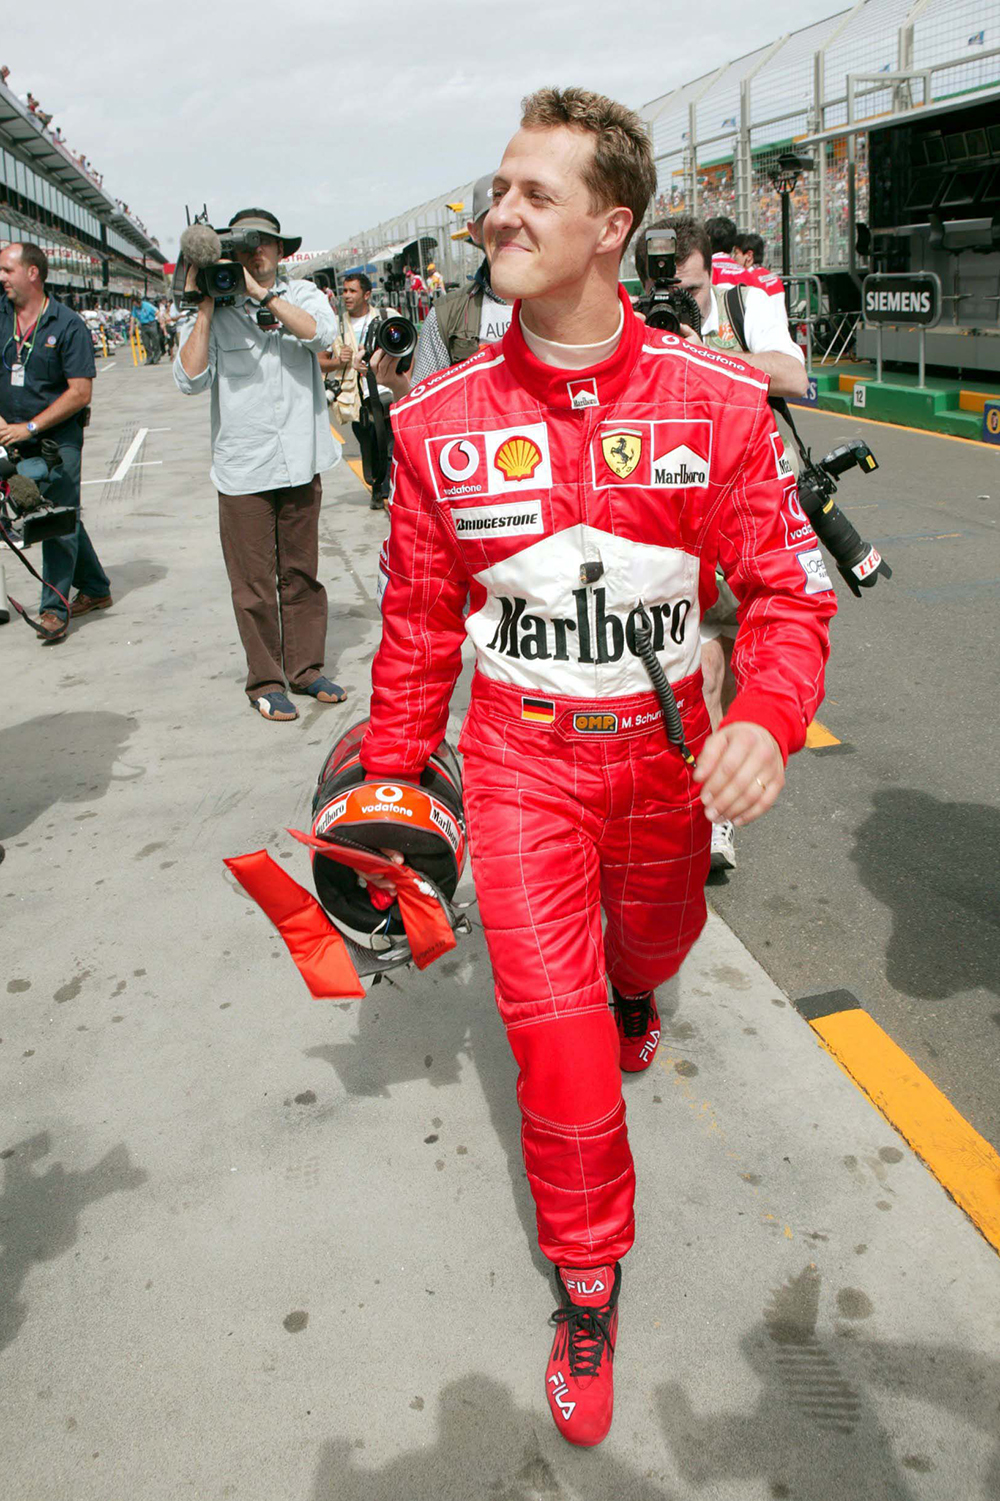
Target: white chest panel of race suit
(543, 629)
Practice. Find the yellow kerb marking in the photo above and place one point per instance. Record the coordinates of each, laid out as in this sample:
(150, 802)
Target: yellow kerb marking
(962, 1161)
(817, 735)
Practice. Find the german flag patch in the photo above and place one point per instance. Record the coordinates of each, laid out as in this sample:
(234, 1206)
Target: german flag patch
(538, 710)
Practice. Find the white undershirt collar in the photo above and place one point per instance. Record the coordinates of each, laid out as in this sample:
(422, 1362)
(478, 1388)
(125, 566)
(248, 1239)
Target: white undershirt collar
(573, 356)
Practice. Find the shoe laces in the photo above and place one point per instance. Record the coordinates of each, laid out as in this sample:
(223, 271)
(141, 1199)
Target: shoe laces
(588, 1335)
(634, 1012)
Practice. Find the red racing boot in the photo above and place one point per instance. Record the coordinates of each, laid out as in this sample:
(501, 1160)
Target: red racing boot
(638, 1023)
(579, 1381)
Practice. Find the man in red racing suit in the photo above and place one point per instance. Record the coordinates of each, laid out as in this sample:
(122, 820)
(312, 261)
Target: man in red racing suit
(542, 510)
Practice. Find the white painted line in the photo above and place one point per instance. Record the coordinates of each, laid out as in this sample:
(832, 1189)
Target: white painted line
(159, 429)
(147, 463)
(133, 449)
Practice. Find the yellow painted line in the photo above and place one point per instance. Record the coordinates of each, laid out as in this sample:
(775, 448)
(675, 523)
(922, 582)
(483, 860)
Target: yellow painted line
(848, 382)
(975, 401)
(817, 735)
(923, 432)
(356, 465)
(961, 1160)
(339, 436)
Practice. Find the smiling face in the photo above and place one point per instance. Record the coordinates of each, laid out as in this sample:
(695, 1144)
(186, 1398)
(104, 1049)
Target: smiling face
(544, 234)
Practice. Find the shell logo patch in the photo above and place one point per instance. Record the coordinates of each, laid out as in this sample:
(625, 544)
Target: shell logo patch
(518, 458)
(622, 452)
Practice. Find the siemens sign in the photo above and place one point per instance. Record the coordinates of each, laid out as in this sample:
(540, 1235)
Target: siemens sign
(902, 299)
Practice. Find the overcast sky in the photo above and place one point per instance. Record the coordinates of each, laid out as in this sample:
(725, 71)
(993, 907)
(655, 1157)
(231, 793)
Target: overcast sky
(338, 121)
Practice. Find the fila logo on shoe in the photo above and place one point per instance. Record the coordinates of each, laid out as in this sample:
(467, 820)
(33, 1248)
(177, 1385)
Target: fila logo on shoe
(584, 1288)
(560, 1393)
(649, 1046)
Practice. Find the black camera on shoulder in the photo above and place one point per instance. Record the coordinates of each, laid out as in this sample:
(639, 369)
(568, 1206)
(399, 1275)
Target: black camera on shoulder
(667, 304)
(26, 515)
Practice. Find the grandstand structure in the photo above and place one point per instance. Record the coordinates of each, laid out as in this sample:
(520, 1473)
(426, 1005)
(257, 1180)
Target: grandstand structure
(97, 250)
(717, 139)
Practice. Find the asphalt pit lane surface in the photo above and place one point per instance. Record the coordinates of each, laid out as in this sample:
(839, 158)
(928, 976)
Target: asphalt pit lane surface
(71, 989)
(15, 987)
(852, 1303)
(296, 1321)
(417, 1404)
(430, 1140)
(686, 1068)
(890, 1154)
(918, 1462)
(307, 1097)
(150, 849)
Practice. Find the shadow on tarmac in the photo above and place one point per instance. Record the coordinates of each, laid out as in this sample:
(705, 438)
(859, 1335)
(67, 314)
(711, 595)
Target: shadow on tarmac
(428, 1040)
(58, 758)
(814, 1432)
(39, 1214)
(936, 866)
(138, 573)
(477, 1421)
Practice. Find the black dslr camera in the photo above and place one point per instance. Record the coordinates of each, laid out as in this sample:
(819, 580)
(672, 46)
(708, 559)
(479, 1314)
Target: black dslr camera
(26, 516)
(666, 305)
(396, 337)
(858, 562)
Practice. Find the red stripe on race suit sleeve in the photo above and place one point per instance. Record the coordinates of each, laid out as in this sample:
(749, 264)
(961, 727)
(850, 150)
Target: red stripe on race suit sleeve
(319, 951)
(427, 927)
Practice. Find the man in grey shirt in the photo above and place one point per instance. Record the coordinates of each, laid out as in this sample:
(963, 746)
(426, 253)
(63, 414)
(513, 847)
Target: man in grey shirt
(271, 440)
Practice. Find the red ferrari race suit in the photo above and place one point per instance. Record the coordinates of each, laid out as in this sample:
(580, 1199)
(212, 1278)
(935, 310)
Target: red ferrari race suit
(729, 273)
(558, 505)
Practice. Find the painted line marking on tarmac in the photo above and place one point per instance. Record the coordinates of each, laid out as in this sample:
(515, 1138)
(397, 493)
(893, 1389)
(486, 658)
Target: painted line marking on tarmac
(924, 432)
(962, 1161)
(818, 736)
(356, 465)
(339, 436)
(133, 449)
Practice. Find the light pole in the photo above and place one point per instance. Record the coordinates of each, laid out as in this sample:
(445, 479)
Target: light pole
(785, 176)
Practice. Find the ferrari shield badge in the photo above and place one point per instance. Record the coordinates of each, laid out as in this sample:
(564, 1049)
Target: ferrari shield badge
(622, 452)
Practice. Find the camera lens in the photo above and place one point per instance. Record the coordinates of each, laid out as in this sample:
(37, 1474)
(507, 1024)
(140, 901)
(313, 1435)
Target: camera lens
(396, 336)
(225, 279)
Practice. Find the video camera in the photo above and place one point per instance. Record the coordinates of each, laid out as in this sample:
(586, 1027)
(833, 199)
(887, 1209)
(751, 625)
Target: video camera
(26, 515)
(666, 305)
(858, 562)
(212, 251)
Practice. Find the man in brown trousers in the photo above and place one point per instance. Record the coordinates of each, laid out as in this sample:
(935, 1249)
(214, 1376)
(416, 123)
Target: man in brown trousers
(271, 440)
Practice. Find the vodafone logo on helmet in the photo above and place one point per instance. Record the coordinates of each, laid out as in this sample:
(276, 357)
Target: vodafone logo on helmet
(388, 794)
(459, 460)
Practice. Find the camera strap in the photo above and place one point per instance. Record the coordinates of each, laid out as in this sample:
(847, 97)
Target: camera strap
(38, 629)
(736, 309)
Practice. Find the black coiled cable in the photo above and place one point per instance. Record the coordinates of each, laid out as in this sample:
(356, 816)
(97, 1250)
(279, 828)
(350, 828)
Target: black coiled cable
(664, 692)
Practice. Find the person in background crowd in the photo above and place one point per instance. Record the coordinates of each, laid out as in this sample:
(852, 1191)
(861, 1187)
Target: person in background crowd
(271, 440)
(748, 251)
(46, 379)
(146, 319)
(461, 322)
(435, 281)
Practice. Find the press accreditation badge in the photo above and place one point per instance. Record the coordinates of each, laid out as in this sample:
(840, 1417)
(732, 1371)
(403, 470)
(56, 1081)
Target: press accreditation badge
(17, 375)
(494, 321)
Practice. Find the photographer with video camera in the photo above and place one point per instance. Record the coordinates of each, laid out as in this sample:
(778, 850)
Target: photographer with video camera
(253, 343)
(46, 380)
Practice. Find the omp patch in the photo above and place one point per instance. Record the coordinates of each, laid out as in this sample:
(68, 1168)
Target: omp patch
(595, 723)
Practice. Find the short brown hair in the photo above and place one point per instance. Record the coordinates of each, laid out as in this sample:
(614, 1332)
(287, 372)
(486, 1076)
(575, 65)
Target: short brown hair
(34, 255)
(622, 172)
(692, 239)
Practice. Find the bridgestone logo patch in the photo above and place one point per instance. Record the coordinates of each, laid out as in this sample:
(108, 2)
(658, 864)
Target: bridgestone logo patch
(511, 520)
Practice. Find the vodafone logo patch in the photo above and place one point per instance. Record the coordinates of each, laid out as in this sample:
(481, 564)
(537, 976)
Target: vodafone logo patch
(459, 460)
(389, 794)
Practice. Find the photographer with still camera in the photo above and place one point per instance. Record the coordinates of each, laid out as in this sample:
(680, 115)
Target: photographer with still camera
(253, 343)
(46, 380)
